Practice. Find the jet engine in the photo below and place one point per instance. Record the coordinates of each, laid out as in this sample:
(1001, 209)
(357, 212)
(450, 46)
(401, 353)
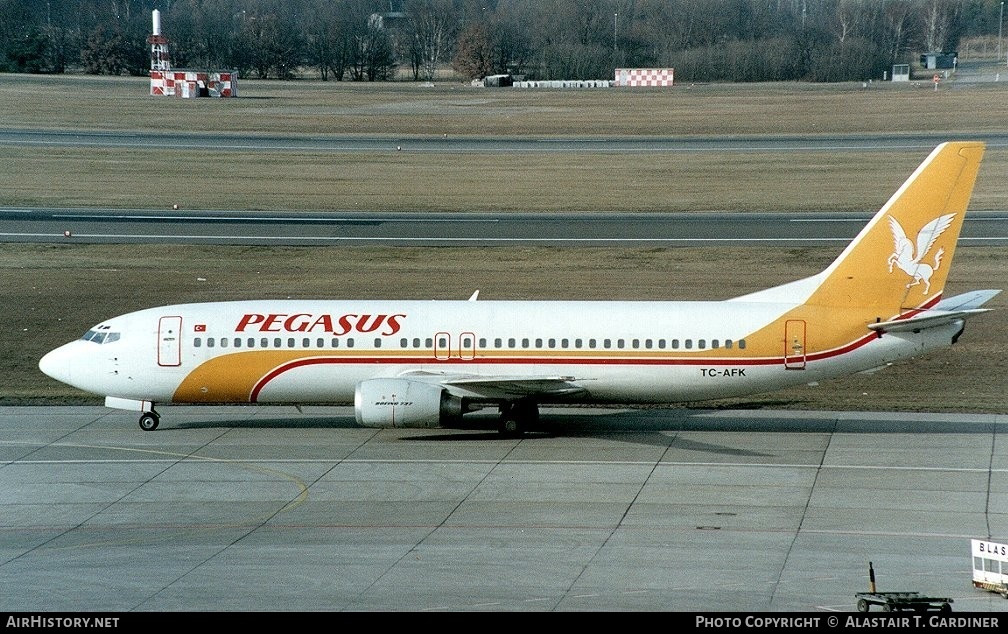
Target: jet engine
(404, 403)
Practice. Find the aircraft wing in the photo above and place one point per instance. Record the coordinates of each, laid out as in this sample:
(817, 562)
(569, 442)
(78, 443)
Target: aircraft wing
(501, 387)
(944, 312)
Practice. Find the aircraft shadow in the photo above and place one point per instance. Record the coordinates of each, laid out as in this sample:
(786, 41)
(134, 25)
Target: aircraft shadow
(654, 426)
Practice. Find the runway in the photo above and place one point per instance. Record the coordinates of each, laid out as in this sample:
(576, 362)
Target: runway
(137, 226)
(469, 144)
(271, 509)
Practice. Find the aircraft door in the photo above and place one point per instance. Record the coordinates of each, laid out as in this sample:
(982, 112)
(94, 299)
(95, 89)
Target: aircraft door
(465, 350)
(794, 344)
(467, 346)
(442, 346)
(170, 341)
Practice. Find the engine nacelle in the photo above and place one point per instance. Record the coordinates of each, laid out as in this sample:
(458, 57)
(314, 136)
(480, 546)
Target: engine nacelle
(404, 403)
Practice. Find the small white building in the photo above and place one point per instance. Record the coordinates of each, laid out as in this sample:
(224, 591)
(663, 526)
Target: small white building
(990, 566)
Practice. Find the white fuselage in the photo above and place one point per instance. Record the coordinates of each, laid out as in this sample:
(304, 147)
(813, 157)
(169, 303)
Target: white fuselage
(295, 351)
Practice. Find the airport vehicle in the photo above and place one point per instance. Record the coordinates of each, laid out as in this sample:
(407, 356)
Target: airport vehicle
(990, 566)
(428, 363)
(899, 601)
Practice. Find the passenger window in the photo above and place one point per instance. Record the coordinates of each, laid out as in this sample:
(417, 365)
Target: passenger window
(290, 342)
(197, 342)
(335, 342)
(511, 342)
(715, 344)
(276, 342)
(675, 344)
(223, 342)
(564, 343)
(320, 343)
(727, 343)
(635, 344)
(647, 344)
(237, 342)
(741, 343)
(552, 343)
(264, 343)
(525, 342)
(251, 342)
(210, 342)
(349, 342)
(701, 343)
(689, 344)
(591, 343)
(661, 344)
(416, 342)
(377, 342)
(607, 343)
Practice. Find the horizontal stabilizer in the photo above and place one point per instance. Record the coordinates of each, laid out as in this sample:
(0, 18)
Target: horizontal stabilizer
(967, 301)
(944, 312)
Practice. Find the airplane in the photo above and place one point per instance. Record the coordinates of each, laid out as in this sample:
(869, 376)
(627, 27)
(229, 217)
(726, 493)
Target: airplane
(425, 364)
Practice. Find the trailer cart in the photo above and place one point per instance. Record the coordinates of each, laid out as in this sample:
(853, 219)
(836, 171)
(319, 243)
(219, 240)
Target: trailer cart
(898, 601)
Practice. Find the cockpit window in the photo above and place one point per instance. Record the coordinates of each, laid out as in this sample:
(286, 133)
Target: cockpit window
(100, 336)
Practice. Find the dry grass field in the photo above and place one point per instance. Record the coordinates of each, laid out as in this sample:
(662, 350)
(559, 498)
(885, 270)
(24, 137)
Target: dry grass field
(52, 293)
(157, 178)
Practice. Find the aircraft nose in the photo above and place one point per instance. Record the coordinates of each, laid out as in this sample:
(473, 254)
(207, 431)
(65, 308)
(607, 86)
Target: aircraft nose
(58, 364)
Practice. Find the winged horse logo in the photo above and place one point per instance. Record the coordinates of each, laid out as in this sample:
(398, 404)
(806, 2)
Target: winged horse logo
(909, 262)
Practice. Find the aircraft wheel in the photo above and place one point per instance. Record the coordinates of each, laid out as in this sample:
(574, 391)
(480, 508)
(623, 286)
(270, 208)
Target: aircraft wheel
(149, 421)
(862, 605)
(518, 417)
(510, 427)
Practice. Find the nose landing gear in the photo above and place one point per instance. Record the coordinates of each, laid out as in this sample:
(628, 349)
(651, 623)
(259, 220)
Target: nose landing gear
(149, 420)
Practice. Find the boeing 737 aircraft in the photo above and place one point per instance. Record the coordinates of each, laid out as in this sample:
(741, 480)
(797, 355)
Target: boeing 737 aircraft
(428, 363)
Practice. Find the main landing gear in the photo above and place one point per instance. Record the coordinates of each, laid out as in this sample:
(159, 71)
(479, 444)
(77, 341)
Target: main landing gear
(517, 417)
(149, 420)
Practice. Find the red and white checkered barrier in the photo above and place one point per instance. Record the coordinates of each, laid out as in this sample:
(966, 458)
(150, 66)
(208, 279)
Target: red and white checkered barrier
(644, 77)
(190, 84)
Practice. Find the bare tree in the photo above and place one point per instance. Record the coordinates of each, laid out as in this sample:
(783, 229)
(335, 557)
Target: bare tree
(849, 15)
(431, 26)
(895, 18)
(371, 56)
(939, 17)
(474, 53)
